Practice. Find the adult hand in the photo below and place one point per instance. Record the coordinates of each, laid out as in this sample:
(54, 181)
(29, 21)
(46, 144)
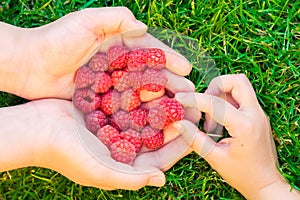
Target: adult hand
(247, 160)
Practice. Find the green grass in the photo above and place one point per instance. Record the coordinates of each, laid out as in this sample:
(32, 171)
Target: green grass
(260, 38)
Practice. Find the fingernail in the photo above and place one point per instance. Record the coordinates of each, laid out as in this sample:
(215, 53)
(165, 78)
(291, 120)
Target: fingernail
(180, 95)
(157, 181)
(178, 126)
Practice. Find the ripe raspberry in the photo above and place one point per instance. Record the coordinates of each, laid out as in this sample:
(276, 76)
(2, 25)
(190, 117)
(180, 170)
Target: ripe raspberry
(102, 83)
(98, 62)
(116, 75)
(122, 83)
(134, 137)
(123, 151)
(110, 102)
(153, 138)
(117, 56)
(174, 110)
(121, 119)
(154, 80)
(155, 58)
(84, 77)
(135, 79)
(86, 100)
(157, 117)
(95, 120)
(136, 60)
(138, 118)
(130, 99)
(108, 135)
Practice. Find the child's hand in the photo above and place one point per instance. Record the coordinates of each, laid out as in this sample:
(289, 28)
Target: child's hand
(247, 160)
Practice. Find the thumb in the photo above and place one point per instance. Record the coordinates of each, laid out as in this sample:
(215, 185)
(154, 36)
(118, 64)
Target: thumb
(201, 143)
(113, 20)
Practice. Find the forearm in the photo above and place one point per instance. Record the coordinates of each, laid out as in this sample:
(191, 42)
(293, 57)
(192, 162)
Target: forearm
(278, 190)
(16, 137)
(13, 60)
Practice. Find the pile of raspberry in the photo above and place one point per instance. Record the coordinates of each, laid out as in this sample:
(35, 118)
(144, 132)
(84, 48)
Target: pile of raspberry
(108, 93)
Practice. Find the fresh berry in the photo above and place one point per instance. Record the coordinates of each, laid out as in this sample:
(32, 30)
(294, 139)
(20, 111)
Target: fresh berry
(122, 83)
(155, 58)
(98, 62)
(130, 99)
(134, 137)
(116, 76)
(84, 77)
(154, 80)
(135, 79)
(138, 118)
(86, 100)
(108, 135)
(157, 117)
(117, 56)
(123, 151)
(102, 83)
(173, 109)
(152, 138)
(136, 60)
(110, 102)
(121, 119)
(95, 120)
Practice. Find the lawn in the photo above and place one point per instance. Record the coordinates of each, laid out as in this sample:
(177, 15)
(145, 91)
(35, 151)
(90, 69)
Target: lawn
(260, 38)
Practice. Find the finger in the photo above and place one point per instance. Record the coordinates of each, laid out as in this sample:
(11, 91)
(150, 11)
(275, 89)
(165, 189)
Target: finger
(111, 20)
(201, 143)
(220, 111)
(237, 85)
(175, 62)
(178, 83)
(192, 114)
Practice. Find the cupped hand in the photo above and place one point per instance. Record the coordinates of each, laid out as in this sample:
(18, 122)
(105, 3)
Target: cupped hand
(247, 160)
(66, 146)
(56, 50)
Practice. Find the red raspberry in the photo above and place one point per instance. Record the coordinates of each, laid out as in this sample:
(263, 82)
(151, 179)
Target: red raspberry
(117, 56)
(116, 76)
(174, 110)
(84, 77)
(153, 138)
(86, 100)
(155, 58)
(102, 83)
(130, 99)
(95, 120)
(133, 137)
(154, 80)
(122, 83)
(136, 60)
(138, 118)
(157, 117)
(123, 151)
(108, 135)
(121, 119)
(98, 62)
(110, 102)
(135, 79)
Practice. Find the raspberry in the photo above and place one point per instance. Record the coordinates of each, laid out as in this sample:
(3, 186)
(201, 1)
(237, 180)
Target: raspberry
(136, 60)
(122, 83)
(108, 135)
(116, 76)
(117, 56)
(86, 100)
(110, 102)
(121, 119)
(135, 79)
(123, 151)
(102, 83)
(154, 80)
(153, 138)
(84, 77)
(133, 137)
(155, 58)
(174, 110)
(95, 120)
(98, 62)
(157, 117)
(138, 118)
(130, 99)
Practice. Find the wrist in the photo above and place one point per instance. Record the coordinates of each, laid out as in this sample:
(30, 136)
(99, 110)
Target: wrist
(280, 189)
